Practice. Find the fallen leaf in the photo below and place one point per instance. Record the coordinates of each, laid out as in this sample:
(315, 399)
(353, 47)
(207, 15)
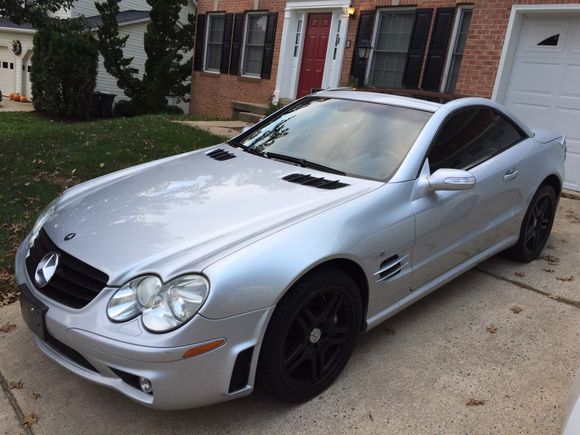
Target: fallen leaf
(7, 327)
(516, 310)
(565, 278)
(551, 259)
(520, 274)
(548, 270)
(35, 395)
(29, 420)
(16, 385)
(555, 297)
(371, 418)
(475, 402)
(492, 329)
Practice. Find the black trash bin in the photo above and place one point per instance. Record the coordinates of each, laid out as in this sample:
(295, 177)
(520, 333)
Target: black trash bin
(106, 100)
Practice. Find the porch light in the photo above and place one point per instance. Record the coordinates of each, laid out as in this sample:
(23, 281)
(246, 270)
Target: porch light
(350, 11)
(364, 49)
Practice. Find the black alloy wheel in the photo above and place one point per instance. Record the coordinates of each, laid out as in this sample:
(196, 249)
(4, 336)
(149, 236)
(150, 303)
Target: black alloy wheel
(536, 226)
(311, 336)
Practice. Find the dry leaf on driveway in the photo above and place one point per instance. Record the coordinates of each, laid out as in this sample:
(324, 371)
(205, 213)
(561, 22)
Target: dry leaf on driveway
(516, 310)
(551, 259)
(520, 274)
(35, 395)
(548, 270)
(565, 278)
(492, 329)
(16, 385)
(7, 327)
(475, 402)
(29, 420)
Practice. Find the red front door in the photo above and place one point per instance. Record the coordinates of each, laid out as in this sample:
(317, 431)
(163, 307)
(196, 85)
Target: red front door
(314, 53)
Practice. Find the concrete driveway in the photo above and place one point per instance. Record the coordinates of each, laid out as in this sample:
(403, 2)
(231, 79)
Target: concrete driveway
(492, 352)
(12, 106)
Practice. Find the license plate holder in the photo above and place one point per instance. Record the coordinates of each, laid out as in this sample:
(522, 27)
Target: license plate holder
(33, 312)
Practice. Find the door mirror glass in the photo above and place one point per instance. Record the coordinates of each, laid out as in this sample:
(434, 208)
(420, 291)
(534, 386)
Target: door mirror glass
(451, 179)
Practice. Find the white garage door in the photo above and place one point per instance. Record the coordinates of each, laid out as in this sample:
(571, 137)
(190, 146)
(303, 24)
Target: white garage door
(7, 72)
(544, 84)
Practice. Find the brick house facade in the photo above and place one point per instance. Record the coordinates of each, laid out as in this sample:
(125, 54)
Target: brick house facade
(439, 49)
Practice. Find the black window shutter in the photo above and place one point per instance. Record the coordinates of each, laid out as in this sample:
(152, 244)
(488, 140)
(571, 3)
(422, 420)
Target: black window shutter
(227, 44)
(417, 46)
(364, 31)
(199, 43)
(437, 49)
(236, 44)
(268, 56)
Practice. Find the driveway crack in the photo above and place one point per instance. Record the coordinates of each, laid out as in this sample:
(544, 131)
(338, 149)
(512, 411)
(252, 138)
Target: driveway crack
(564, 300)
(14, 404)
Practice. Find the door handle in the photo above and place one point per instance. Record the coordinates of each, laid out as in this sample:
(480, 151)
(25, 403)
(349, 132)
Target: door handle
(510, 174)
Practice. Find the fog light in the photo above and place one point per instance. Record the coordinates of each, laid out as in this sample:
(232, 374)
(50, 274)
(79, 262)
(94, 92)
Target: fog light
(145, 385)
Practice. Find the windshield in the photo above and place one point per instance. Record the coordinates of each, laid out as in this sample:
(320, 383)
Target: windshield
(356, 138)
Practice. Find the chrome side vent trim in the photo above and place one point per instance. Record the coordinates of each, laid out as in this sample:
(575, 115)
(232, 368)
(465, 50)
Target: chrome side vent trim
(318, 182)
(221, 155)
(391, 267)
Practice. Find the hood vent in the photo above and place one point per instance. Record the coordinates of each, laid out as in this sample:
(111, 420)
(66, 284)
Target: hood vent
(319, 183)
(390, 267)
(220, 155)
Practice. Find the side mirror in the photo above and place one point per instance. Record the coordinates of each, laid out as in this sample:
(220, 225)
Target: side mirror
(451, 179)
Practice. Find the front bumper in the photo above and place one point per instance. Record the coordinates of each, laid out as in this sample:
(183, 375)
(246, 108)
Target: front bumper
(178, 383)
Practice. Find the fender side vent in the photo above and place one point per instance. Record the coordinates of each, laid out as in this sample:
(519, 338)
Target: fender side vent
(319, 183)
(241, 372)
(391, 267)
(220, 155)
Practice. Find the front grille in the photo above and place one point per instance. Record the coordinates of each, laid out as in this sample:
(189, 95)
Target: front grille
(318, 182)
(74, 284)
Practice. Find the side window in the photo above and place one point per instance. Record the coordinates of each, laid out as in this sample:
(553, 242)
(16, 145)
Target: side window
(470, 137)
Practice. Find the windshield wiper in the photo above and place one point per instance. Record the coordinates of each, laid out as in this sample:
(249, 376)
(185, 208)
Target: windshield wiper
(303, 162)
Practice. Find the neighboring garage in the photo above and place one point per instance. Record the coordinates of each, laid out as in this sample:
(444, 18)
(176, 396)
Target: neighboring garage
(539, 77)
(6, 70)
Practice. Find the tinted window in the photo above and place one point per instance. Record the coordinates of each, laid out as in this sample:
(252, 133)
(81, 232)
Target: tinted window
(471, 136)
(358, 138)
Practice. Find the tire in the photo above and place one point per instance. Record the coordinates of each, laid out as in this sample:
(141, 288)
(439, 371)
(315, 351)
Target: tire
(536, 226)
(311, 336)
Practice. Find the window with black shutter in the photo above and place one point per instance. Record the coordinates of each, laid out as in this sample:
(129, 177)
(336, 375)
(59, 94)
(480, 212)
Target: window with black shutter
(199, 43)
(254, 41)
(417, 47)
(214, 42)
(268, 56)
(437, 49)
(364, 32)
(236, 51)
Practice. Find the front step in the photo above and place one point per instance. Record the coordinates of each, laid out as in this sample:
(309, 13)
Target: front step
(250, 118)
(240, 106)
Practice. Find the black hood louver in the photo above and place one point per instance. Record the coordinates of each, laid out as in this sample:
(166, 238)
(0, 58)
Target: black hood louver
(220, 155)
(319, 183)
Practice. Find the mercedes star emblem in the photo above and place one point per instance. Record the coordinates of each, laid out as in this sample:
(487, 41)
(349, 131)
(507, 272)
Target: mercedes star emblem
(46, 269)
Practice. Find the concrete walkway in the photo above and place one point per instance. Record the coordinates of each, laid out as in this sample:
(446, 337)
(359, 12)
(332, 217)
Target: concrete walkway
(494, 351)
(12, 106)
(227, 129)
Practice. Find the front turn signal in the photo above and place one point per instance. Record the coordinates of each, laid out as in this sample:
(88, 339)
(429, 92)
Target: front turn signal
(204, 348)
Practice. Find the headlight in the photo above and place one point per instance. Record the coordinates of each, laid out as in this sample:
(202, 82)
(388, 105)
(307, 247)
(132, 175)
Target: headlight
(41, 220)
(164, 306)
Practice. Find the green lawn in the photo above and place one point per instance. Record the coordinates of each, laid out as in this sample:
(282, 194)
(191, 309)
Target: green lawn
(39, 158)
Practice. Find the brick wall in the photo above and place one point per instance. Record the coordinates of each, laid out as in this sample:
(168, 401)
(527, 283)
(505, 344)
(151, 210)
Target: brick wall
(212, 95)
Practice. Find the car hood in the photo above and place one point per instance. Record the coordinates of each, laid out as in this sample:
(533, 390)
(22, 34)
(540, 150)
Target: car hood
(178, 215)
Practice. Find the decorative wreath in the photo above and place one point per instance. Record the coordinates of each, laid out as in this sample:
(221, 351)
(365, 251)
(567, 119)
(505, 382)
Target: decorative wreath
(16, 47)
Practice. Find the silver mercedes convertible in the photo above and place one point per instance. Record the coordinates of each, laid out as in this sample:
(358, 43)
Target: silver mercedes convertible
(258, 262)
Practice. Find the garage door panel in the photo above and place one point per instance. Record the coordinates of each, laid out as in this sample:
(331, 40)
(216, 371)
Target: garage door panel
(544, 84)
(570, 87)
(534, 78)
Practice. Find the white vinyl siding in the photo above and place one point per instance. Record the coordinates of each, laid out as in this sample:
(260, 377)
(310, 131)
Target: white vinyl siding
(255, 36)
(390, 48)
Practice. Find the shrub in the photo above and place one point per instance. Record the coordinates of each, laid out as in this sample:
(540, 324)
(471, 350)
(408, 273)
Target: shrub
(173, 110)
(64, 69)
(125, 108)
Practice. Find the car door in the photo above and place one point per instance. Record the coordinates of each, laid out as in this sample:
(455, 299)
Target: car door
(451, 227)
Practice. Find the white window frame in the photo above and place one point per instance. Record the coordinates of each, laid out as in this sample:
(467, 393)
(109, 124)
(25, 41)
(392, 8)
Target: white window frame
(377, 19)
(245, 40)
(459, 14)
(206, 42)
